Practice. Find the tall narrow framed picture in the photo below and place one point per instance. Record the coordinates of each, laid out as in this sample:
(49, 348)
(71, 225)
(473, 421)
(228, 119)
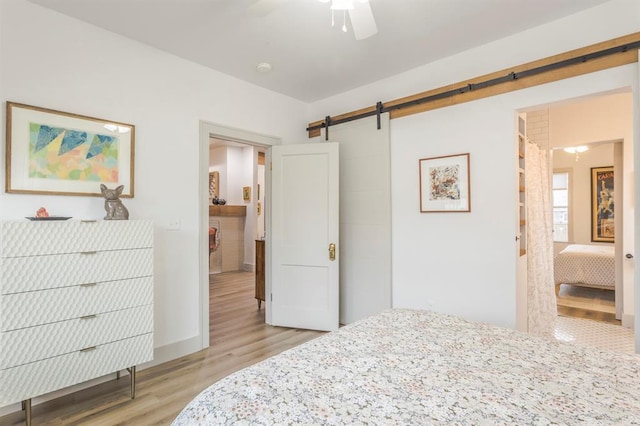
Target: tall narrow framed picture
(55, 152)
(602, 205)
(445, 184)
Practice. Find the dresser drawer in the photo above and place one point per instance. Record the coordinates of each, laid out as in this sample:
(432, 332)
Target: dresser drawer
(33, 308)
(37, 378)
(21, 274)
(57, 237)
(36, 343)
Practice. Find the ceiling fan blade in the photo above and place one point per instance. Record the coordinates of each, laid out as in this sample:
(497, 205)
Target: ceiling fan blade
(264, 7)
(362, 20)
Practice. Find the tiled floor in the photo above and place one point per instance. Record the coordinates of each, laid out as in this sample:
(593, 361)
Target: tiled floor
(594, 333)
(587, 316)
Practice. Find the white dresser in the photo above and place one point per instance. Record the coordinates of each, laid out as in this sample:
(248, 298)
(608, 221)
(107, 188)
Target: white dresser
(76, 303)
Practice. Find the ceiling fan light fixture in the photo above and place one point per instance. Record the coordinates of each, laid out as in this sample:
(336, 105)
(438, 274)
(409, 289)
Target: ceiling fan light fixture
(578, 149)
(361, 17)
(342, 5)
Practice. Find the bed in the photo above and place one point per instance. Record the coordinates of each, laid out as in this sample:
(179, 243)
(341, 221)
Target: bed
(586, 266)
(419, 367)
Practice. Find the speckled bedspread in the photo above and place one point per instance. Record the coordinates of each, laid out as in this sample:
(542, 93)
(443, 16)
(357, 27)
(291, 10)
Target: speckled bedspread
(593, 265)
(418, 367)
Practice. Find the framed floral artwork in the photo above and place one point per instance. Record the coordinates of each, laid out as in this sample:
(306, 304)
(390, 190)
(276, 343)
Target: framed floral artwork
(445, 184)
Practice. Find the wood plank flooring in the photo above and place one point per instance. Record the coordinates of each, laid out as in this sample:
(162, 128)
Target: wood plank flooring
(589, 303)
(239, 337)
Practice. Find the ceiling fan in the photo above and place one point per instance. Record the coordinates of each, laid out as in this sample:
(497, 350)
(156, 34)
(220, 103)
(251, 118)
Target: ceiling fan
(360, 14)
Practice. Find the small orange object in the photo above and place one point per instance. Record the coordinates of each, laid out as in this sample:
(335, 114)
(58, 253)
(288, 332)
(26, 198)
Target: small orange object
(42, 212)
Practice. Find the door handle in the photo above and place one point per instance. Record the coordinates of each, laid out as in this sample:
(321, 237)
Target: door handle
(332, 252)
(628, 256)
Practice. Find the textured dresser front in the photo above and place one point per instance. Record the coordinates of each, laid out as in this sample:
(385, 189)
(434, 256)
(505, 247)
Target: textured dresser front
(76, 303)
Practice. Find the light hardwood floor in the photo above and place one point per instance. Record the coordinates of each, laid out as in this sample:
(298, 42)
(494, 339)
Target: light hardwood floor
(588, 303)
(239, 337)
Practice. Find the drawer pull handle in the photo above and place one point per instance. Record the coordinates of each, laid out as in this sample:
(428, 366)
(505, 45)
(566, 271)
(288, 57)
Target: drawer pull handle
(88, 221)
(90, 348)
(89, 285)
(88, 252)
(86, 317)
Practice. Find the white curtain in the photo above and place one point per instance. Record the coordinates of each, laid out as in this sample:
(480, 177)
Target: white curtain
(542, 310)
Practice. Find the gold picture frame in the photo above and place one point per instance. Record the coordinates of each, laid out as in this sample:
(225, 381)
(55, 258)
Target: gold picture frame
(214, 182)
(602, 205)
(60, 153)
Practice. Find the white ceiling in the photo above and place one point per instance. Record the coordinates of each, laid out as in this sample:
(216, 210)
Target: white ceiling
(310, 59)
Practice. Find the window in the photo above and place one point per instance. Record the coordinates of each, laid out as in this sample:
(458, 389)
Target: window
(561, 206)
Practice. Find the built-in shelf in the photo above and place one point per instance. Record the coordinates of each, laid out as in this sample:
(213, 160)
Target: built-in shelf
(522, 196)
(227, 211)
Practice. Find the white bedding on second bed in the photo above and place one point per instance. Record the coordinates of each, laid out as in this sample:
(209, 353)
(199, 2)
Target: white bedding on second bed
(590, 265)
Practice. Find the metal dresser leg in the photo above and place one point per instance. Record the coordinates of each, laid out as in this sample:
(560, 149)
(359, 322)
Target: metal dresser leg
(132, 374)
(26, 406)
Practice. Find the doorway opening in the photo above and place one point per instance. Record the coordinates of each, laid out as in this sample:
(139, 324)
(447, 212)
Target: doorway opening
(584, 136)
(236, 205)
(233, 197)
(236, 236)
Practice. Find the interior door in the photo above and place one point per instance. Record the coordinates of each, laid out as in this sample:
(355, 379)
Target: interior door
(304, 236)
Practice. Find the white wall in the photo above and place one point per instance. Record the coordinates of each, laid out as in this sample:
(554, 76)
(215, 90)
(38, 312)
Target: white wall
(580, 190)
(235, 176)
(54, 61)
(464, 263)
(83, 69)
(595, 120)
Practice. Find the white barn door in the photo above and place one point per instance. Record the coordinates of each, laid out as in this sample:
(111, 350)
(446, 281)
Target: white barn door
(365, 217)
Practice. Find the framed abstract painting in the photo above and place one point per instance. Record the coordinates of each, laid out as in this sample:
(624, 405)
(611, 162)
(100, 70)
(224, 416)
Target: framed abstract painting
(445, 184)
(55, 152)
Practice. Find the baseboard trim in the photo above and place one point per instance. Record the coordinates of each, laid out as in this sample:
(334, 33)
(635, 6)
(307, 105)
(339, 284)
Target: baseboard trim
(161, 355)
(173, 351)
(628, 321)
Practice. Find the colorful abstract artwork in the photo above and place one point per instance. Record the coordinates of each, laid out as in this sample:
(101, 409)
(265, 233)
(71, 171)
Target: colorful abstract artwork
(444, 184)
(61, 153)
(67, 154)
